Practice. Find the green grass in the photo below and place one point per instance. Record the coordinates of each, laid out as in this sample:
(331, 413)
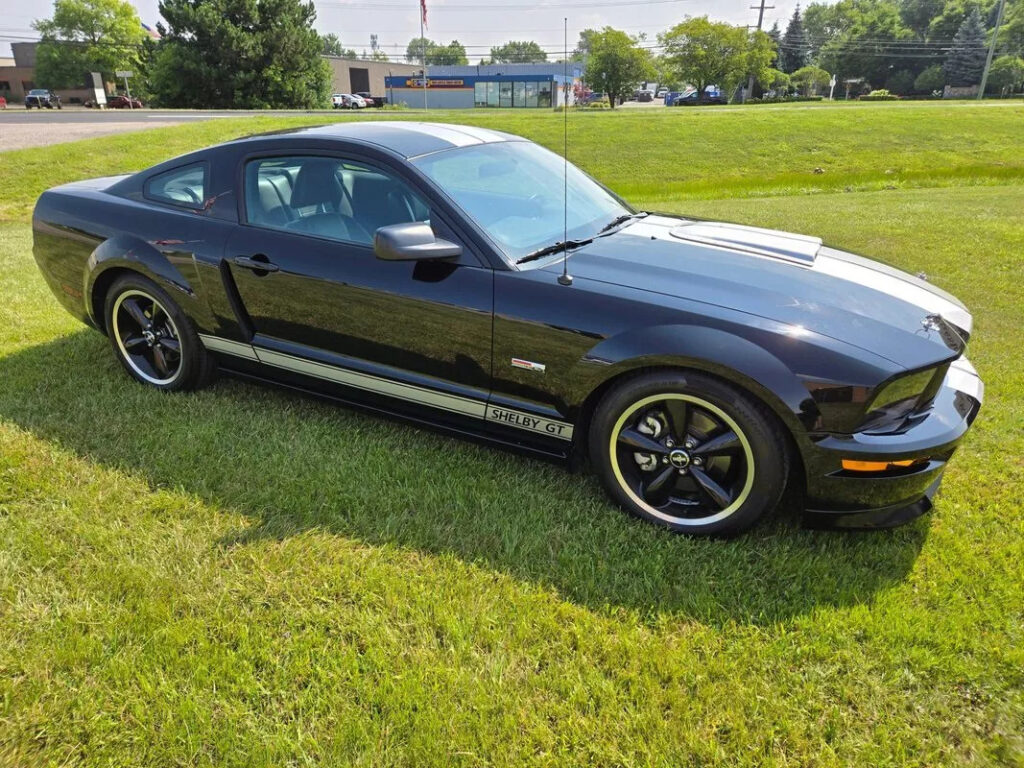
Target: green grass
(247, 577)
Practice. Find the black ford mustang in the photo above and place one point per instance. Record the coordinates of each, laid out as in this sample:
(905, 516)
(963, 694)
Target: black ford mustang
(418, 269)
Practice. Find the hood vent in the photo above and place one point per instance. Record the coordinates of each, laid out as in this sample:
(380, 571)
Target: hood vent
(769, 243)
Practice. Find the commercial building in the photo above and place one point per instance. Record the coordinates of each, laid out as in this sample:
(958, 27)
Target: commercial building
(527, 86)
(18, 77)
(365, 76)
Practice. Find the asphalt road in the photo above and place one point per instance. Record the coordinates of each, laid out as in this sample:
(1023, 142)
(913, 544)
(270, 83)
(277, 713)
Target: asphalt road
(18, 115)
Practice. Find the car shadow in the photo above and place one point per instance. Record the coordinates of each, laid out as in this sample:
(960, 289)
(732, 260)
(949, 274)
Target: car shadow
(293, 463)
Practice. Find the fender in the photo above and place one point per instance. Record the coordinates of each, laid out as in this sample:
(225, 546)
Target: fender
(763, 367)
(159, 262)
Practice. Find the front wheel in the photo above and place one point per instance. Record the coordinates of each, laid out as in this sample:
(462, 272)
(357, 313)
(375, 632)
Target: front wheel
(688, 452)
(152, 337)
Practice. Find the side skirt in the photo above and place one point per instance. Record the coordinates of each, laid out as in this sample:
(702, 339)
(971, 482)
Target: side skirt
(467, 417)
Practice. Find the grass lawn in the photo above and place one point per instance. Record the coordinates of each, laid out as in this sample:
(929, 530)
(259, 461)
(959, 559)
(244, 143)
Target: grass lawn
(247, 577)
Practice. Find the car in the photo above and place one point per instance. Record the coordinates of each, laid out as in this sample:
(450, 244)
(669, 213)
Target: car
(661, 93)
(347, 101)
(123, 102)
(692, 98)
(433, 272)
(368, 100)
(41, 97)
(645, 95)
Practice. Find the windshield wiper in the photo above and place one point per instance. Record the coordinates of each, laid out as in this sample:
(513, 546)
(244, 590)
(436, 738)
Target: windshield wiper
(554, 248)
(619, 220)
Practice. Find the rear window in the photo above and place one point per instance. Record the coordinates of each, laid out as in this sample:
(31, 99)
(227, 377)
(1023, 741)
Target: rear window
(185, 186)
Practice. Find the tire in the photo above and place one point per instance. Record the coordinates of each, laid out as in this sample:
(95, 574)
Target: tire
(715, 461)
(152, 338)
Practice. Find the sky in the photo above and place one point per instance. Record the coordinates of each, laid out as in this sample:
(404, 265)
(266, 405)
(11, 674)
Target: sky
(477, 25)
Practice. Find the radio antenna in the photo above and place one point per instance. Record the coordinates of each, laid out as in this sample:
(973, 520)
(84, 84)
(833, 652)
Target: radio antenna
(565, 278)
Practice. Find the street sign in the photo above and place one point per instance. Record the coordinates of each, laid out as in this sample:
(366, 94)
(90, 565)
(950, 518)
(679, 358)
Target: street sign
(124, 73)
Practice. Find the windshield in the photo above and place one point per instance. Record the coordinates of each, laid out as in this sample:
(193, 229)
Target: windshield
(514, 191)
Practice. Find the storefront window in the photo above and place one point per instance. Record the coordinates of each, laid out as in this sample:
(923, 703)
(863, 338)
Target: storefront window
(544, 94)
(531, 94)
(520, 95)
(505, 94)
(480, 95)
(492, 94)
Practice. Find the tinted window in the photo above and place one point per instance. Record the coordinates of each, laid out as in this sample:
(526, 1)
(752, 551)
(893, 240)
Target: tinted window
(327, 197)
(181, 186)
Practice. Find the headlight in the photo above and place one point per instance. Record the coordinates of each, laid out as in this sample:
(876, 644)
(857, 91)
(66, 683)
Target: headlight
(896, 399)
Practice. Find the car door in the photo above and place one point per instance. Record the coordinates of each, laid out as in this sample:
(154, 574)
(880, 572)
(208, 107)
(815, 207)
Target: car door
(319, 302)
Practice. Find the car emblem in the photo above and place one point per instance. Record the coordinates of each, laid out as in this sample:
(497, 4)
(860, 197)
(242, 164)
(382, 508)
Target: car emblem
(527, 365)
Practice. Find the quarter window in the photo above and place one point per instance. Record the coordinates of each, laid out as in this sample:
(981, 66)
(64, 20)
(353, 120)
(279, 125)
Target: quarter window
(327, 197)
(181, 186)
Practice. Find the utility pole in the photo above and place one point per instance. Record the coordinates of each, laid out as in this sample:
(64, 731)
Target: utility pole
(760, 22)
(991, 49)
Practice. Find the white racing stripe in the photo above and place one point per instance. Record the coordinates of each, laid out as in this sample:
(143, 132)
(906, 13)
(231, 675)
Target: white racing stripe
(465, 406)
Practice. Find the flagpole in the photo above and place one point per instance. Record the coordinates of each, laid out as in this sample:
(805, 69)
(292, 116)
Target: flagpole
(423, 46)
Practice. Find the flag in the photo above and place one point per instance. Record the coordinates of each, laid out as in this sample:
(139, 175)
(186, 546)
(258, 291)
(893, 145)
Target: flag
(423, 12)
(151, 31)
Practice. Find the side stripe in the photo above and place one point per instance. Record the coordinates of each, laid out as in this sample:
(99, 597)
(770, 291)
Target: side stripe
(409, 392)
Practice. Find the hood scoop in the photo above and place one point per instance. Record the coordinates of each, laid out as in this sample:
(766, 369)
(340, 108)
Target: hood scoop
(769, 243)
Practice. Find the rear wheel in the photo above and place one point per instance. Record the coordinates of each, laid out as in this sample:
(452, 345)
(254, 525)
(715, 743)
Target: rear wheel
(688, 452)
(153, 338)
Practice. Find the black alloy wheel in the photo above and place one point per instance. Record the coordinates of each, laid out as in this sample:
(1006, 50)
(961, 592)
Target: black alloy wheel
(688, 452)
(152, 338)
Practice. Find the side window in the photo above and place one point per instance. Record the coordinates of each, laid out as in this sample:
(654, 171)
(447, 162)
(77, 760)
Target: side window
(327, 197)
(180, 186)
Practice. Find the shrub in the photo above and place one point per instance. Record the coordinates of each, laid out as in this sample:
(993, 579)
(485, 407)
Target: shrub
(783, 99)
(931, 79)
(880, 95)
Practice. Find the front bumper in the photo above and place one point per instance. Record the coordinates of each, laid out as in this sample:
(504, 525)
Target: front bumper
(839, 498)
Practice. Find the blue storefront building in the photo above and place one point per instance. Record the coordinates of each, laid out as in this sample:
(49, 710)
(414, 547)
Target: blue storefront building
(486, 85)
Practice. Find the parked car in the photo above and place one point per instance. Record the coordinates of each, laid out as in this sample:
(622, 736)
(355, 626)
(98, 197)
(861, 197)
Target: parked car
(661, 93)
(123, 102)
(645, 95)
(700, 367)
(347, 101)
(692, 98)
(368, 100)
(42, 97)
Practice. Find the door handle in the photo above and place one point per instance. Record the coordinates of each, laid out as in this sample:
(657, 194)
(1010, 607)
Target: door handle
(257, 263)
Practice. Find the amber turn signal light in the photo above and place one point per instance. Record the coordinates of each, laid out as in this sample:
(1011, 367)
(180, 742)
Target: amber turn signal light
(878, 466)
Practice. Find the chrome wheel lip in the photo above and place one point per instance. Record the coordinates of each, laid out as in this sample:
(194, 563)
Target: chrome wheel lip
(748, 454)
(119, 340)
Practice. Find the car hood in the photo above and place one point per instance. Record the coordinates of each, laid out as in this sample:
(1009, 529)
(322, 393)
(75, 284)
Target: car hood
(783, 277)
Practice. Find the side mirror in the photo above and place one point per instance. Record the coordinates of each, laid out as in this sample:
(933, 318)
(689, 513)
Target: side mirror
(414, 241)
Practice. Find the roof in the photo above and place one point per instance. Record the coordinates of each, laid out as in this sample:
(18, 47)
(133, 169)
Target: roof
(406, 138)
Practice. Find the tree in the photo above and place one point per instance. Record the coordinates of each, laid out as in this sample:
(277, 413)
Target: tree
(453, 53)
(776, 35)
(761, 54)
(87, 36)
(966, 59)
(868, 40)
(331, 46)
(919, 14)
(518, 52)
(1011, 34)
(777, 81)
(706, 52)
(584, 45)
(930, 80)
(810, 79)
(795, 50)
(418, 49)
(239, 55)
(616, 64)
(1006, 74)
